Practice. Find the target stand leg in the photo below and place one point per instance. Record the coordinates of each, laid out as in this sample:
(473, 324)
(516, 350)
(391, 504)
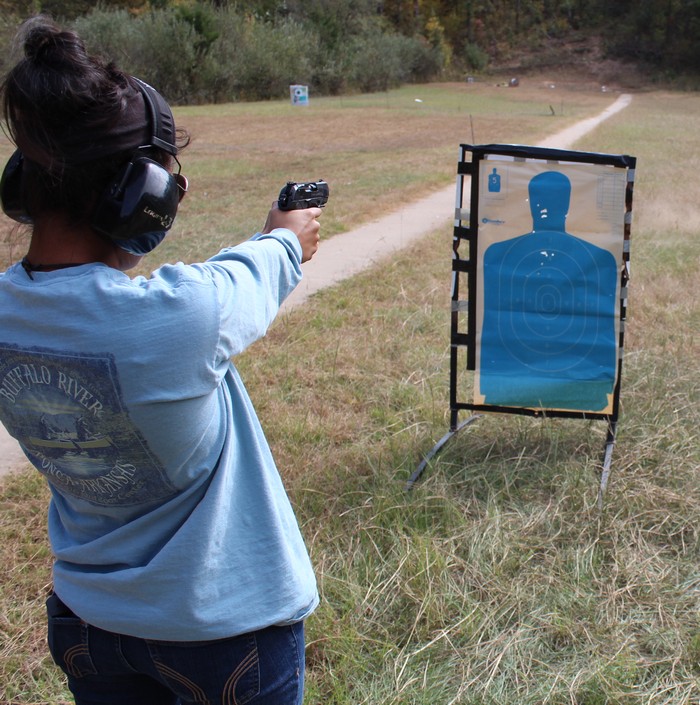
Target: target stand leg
(436, 449)
(607, 463)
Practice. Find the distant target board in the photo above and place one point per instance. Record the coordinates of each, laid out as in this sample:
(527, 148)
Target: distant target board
(299, 95)
(548, 237)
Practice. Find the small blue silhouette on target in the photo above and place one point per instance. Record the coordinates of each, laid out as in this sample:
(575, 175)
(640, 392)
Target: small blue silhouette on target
(548, 334)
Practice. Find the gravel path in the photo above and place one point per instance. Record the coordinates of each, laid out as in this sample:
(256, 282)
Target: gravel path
(345, 255)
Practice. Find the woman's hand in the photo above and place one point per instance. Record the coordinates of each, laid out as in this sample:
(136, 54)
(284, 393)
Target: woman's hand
(302, 222)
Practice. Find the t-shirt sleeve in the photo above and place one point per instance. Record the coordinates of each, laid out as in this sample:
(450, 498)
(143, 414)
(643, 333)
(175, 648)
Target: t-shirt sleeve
(252, 280)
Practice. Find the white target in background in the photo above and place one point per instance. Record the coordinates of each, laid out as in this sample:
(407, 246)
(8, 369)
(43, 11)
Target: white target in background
(299, 94)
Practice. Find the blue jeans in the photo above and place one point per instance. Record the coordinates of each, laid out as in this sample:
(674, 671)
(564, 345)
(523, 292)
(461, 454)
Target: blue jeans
(103, 668)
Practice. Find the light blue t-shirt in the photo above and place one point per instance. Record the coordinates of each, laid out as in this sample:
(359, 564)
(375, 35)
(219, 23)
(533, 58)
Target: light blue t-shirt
(168, 518)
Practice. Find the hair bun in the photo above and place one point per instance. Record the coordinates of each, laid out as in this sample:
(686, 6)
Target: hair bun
(46, 43)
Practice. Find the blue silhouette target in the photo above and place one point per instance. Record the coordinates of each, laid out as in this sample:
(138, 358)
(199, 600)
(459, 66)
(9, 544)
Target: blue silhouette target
(548, 335)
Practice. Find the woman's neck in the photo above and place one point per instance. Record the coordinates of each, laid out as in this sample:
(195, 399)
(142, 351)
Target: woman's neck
(56, 243)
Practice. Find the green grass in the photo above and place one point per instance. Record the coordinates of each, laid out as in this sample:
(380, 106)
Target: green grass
(496, 580)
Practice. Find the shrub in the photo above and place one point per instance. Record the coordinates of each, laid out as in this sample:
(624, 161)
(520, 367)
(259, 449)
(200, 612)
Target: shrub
(379, 61)
(375, 64)
(420, 61)
(159, 47)
(258, 61)
(476, 59)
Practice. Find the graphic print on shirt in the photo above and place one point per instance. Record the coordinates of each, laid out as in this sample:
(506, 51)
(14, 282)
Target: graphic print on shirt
(67, 413)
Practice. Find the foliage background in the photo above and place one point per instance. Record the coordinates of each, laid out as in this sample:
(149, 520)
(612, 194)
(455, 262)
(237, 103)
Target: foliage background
(199, 51)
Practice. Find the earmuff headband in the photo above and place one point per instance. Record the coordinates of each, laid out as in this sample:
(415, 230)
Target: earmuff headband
(161, 118)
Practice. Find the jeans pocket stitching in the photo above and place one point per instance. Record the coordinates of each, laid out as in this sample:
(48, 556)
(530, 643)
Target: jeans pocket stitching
(244, 667)
(71, 655)
(75, 659)
(170, 675)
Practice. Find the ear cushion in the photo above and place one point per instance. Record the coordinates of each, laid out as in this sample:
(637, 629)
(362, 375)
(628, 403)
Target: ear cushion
(11, 189)
(139, 207)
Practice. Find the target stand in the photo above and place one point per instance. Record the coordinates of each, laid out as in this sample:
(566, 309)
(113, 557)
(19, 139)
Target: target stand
(540, 272)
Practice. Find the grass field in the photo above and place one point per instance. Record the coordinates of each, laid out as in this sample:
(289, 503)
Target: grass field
(496, 580)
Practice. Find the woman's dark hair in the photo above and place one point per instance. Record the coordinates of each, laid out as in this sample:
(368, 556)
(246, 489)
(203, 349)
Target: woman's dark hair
(76, 118)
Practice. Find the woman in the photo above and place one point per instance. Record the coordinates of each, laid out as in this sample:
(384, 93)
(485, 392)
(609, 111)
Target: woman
(180, 573)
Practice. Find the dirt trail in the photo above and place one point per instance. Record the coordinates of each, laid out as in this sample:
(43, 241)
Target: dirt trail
(345, 255)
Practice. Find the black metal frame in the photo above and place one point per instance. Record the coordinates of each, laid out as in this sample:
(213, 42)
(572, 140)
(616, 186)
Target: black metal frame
(464, 340)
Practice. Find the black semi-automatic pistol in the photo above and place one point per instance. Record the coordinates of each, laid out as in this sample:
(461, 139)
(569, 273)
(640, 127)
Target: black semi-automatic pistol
(312, 194)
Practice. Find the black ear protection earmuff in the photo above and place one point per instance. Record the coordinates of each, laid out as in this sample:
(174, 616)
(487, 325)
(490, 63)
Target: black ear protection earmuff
(11, 190)
(138, 208)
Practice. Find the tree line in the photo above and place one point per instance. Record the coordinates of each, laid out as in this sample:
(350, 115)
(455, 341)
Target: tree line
(222, 50)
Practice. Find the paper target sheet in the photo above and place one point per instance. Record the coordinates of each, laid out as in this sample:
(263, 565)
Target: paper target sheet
(548, 262)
